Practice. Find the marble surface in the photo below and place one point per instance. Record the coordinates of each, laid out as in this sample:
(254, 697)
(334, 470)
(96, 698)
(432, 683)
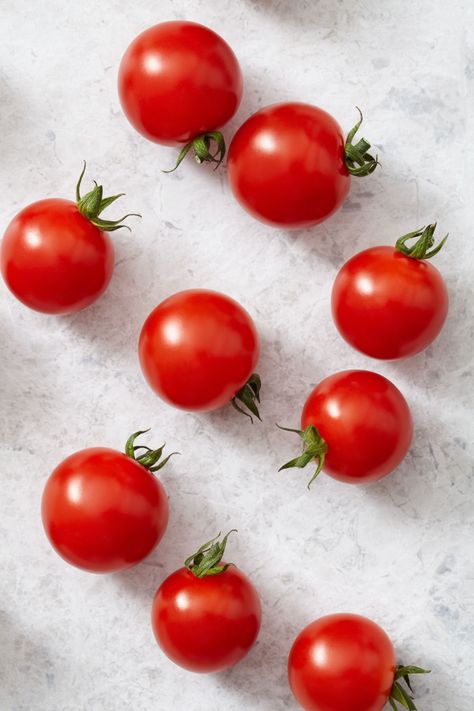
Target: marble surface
(399, 551)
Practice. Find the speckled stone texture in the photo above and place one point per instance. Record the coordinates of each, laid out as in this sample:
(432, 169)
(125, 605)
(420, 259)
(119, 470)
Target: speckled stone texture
(399, 551)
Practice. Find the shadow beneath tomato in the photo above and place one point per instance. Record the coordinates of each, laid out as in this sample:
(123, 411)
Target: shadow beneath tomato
(259, 681)
(259, 91)
(435, 384)
(111, 326)
(446, 366)
(434, 480)
(371, 215)
(284, 386)
(142, 580)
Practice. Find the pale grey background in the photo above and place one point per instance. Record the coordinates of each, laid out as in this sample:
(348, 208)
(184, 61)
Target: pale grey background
(399, 551)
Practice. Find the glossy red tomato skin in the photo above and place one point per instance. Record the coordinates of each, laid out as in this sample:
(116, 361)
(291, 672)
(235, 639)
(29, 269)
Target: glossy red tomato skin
(388, 305)
(53, 259)
(197, 349)
(178, 80)
(102, 511)
(365, 421)
(342, 662)
(287, 167)
(206, 624)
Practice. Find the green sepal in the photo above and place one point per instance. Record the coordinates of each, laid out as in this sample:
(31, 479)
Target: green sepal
(422, 247)
(399, 696)
(358, 161)
(201, 145)
(249, 395)
(93, 203)
(206, 560)
(150, 459)
(315, 449)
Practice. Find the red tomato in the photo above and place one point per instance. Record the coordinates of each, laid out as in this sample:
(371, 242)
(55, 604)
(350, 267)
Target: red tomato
(289, 165)
(389, 304)
(208, 621)
(103, 510)
(358, 426)
(198, 350)
(56, 256)
(177, 81)
(346, 662)
(342, 663)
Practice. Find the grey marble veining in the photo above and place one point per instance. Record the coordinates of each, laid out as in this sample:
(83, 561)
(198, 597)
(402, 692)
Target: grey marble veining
(399, 551)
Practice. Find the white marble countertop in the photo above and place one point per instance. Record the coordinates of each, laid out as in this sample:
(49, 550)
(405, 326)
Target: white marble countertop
(399, 551)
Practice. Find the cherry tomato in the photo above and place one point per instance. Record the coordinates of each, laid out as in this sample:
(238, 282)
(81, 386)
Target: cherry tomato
(346, 662)
(103, 510)
(342, 663)
(357, 425)
(391, 303)
(198, 350)
(290, 167)
(178, 81)
(206, 615)
(56, 256)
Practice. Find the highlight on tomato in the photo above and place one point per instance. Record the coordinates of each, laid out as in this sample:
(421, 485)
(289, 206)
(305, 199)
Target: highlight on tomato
(56, 256)
(179, 82)
(346, 662)
(391, 302)
(290, 166)
(206, 615)
(198, 350)
(104, 510)
(357, 427)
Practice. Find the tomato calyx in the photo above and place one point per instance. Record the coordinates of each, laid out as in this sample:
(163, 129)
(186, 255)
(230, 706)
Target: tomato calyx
(248, 395)
(399, 695)
(207, 559)
(150, 457)
(422, 247)
(201, 145)
(92, 204)
(315, 449)
(358, 161)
